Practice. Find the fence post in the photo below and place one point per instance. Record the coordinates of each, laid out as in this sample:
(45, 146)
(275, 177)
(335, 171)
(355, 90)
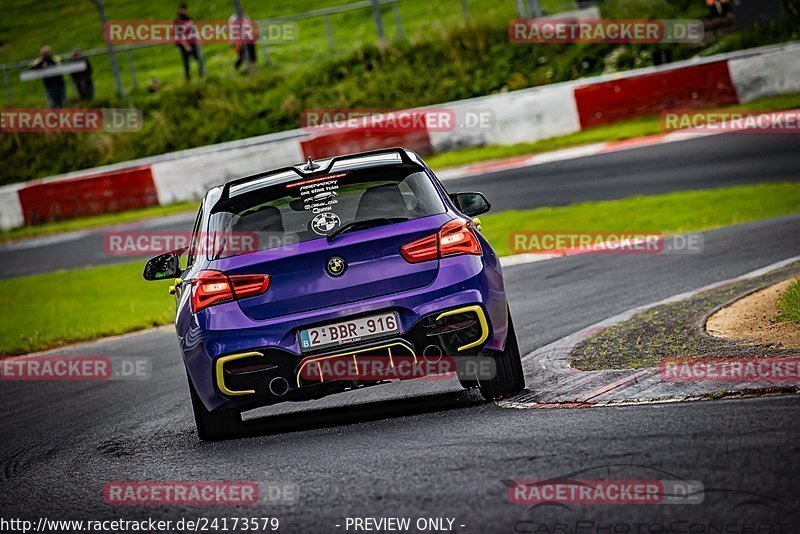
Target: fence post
(536, 11)
(132, 69)
(465, 11)
(397, 21)
(112, 56)
(329, 32)
(376, 13)
(8, 88)
(237, 8)
(265, 47)
(520, 9)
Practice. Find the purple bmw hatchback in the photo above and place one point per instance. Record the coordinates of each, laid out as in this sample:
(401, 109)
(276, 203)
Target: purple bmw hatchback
(333, 275)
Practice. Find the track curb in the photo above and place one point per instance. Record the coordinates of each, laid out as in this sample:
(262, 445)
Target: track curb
(553, 383)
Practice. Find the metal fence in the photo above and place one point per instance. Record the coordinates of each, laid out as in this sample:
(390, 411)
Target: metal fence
(122, 57)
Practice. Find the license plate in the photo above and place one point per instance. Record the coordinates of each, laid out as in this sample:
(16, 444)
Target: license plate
(346, 332)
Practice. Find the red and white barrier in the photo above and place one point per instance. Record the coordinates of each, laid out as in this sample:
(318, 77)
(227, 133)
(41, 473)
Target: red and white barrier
(348, 141)
(706, 85)
(95, 194)
(519, 116)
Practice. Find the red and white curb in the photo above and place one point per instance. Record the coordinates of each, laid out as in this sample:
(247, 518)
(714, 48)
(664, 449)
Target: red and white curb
(552, 382)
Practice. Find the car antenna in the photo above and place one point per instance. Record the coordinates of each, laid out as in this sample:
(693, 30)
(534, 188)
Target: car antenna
(311, 166)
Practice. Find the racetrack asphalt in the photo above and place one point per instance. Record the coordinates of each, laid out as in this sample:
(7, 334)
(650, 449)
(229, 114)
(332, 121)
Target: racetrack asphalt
(426, 448)
(701, 163)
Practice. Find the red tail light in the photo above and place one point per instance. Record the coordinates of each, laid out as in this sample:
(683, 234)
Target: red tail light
(214, 287)
(423, 249)
(456, 237)
(453, 238)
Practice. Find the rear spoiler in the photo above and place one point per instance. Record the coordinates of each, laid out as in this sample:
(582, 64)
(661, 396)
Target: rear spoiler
(226, 188)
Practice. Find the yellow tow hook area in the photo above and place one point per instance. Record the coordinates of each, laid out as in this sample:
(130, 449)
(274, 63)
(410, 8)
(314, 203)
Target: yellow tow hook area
(174, 288)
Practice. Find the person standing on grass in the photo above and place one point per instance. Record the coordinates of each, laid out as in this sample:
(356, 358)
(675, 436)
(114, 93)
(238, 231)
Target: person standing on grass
(54, 86)
(242, 39)
(186, 39)
(83, 80)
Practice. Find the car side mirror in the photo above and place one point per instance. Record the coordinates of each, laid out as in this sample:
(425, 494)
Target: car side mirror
(471, 204)
(163, 267)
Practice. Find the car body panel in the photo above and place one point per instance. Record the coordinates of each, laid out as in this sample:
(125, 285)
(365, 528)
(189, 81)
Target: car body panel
(374, 268)
(303, 294)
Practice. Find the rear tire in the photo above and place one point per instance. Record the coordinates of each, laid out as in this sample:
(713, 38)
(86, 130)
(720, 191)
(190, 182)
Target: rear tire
(213, 425)
(468, 383)
(509, 378)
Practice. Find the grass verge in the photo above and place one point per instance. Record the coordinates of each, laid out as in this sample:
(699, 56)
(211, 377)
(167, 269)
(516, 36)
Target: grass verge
(53, 309)
(96, 221)
(24, 31)
(57, 308)
(789, 304)
(672, 331)
(670, 213)
(620, 131)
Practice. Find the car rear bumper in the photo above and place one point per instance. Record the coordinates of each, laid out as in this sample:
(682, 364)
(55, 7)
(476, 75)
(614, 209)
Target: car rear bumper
(233, 360)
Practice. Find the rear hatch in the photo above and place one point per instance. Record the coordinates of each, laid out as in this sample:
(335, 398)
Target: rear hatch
(385, 207)
(301, 280)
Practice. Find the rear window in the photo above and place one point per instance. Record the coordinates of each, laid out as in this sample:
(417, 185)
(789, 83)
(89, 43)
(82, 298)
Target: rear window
(297, 209)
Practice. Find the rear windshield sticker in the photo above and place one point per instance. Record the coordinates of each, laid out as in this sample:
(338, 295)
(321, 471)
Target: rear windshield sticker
(321, 195)
(324, 223)
(316, 180)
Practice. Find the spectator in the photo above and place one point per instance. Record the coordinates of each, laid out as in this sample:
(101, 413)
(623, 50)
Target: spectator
(186, 39)
(240, 31)
(154, 85)
(83, 80)
(718, 8)
(53, 85)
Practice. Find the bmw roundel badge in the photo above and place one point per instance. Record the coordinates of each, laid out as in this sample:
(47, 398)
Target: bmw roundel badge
(336, 266)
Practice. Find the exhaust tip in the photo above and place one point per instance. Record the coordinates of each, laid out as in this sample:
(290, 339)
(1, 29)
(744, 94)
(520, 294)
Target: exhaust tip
(278, 386)
(432, 354)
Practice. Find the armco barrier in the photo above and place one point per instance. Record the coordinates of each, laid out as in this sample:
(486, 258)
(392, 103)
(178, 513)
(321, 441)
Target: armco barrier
(10, 208)
(518, 116)
(188, 177)
(767, 74)
(105, 192)
(649, 94)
